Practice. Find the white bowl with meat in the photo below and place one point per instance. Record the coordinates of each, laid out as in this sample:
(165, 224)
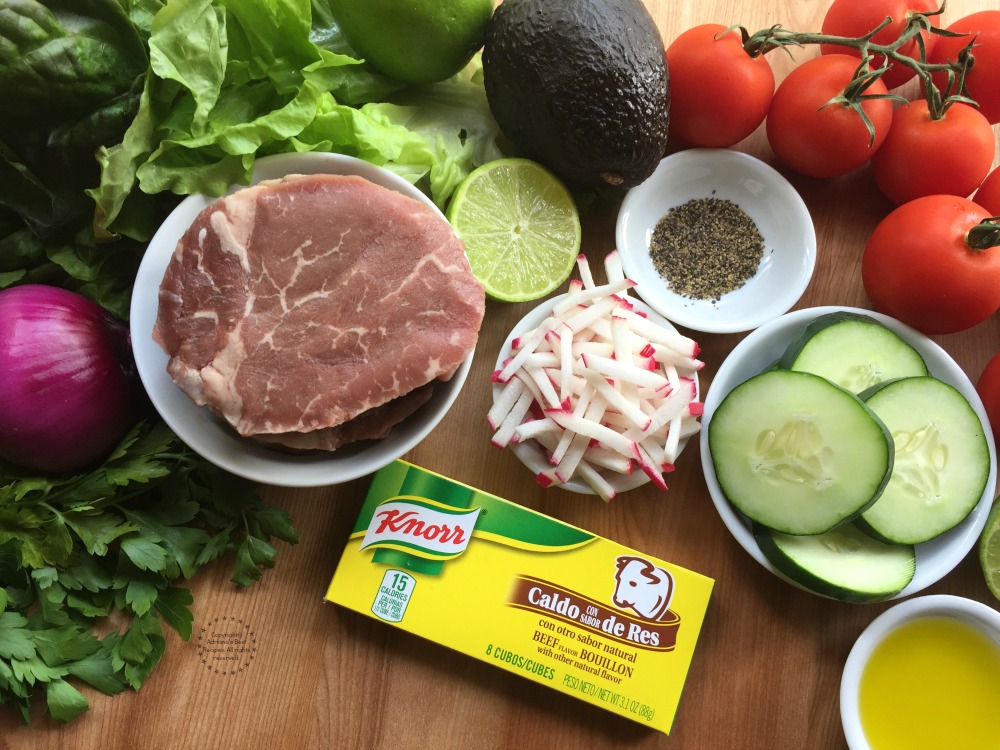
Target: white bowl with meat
(307, 329)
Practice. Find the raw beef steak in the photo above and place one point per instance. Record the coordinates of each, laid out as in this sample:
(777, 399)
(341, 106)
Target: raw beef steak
(371, 425)
(296, 305)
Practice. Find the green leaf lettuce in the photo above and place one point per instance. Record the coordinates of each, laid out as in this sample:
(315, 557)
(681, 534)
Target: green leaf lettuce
(230, 81)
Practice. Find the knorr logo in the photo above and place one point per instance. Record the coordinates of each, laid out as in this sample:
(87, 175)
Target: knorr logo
(421, 527)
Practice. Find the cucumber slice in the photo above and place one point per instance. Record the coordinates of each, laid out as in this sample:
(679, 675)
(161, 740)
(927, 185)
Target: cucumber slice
(844, 564)
(797, 453)
(942, 460)
(854, 351)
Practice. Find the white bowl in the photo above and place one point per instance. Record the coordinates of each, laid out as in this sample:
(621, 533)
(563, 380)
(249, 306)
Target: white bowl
(767, 197)
(986, 619)
(530, 453)
(207, 435)
(761, 348)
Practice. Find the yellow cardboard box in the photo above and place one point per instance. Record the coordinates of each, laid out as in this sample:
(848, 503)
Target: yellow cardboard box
(526, 592)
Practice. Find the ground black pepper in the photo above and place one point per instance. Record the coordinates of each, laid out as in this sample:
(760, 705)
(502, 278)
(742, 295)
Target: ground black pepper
(706, 247)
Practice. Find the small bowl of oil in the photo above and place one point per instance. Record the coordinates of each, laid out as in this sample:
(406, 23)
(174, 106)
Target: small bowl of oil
(716, 240)
(924, 674)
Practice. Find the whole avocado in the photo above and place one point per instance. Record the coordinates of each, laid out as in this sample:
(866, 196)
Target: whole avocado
(580, 86)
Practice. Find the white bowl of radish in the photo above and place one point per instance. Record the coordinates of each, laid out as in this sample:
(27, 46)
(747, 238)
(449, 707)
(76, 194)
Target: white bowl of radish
(930, 560)
(777, 272)
(593, 391)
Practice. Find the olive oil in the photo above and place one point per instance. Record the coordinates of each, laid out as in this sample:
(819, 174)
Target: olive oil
(933, 682)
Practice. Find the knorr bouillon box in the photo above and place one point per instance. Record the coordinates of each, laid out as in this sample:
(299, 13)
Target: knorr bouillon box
(523, 591)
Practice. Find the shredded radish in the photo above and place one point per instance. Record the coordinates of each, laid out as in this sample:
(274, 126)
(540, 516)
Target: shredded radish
(599, 387)
(505, 402)
(613, 267)
(579, 295)
(586, 276)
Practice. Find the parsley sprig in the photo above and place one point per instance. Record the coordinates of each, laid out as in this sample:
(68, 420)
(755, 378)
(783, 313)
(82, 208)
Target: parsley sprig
(114, 545)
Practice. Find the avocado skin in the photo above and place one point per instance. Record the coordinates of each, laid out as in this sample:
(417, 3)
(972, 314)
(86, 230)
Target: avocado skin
(580, 86)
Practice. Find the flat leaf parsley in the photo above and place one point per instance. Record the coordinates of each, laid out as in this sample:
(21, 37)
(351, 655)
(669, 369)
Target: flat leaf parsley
(115, 544)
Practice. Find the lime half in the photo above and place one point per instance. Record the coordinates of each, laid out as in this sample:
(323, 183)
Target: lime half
(520, 227)
(989, 550)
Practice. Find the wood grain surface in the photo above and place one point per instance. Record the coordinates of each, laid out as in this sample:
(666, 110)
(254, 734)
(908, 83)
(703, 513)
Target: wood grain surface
(767, 669)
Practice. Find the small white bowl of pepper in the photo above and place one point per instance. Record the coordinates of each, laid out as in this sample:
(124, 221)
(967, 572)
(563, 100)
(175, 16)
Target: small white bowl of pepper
(717, 241)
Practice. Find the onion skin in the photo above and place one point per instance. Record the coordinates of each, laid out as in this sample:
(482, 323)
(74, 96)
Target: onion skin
(70, 390)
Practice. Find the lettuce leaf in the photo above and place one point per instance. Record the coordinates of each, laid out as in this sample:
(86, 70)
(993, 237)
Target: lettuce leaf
(454, 118)
(65, 56)
(70, 66)
(74, 70)
(231, 80)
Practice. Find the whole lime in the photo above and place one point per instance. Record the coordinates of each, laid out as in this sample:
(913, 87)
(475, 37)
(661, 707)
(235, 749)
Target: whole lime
(414, 41)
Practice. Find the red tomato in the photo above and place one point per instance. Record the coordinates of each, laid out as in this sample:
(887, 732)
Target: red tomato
(718, 93)
(923, 156)
(981, 80)
(988, 195)
(918, 267)
(988, 388)
(855, 18)
(819, 140)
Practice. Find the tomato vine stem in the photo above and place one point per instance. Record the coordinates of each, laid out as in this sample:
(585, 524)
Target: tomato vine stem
(985, 234)
(938, 100)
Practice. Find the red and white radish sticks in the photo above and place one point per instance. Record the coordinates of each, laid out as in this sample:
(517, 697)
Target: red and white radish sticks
(599, 387)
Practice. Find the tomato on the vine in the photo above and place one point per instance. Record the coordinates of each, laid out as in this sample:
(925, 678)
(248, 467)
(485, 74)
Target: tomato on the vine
(982, 79)
(988, 388)
(922, 155)
(988, 195)
(719, 94)
(819, 137)
(854, 18)
(918, 266)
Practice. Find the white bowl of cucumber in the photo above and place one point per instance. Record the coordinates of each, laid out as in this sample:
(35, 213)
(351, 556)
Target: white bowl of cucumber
(847, 454)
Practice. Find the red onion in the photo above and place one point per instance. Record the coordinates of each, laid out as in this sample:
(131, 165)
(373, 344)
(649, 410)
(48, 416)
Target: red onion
(69, 389)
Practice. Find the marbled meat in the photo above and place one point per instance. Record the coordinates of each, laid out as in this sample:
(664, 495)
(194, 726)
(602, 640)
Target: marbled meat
(295, 306)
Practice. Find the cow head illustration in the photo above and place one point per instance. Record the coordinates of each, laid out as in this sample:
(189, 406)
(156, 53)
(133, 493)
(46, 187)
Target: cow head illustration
(642, 587)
